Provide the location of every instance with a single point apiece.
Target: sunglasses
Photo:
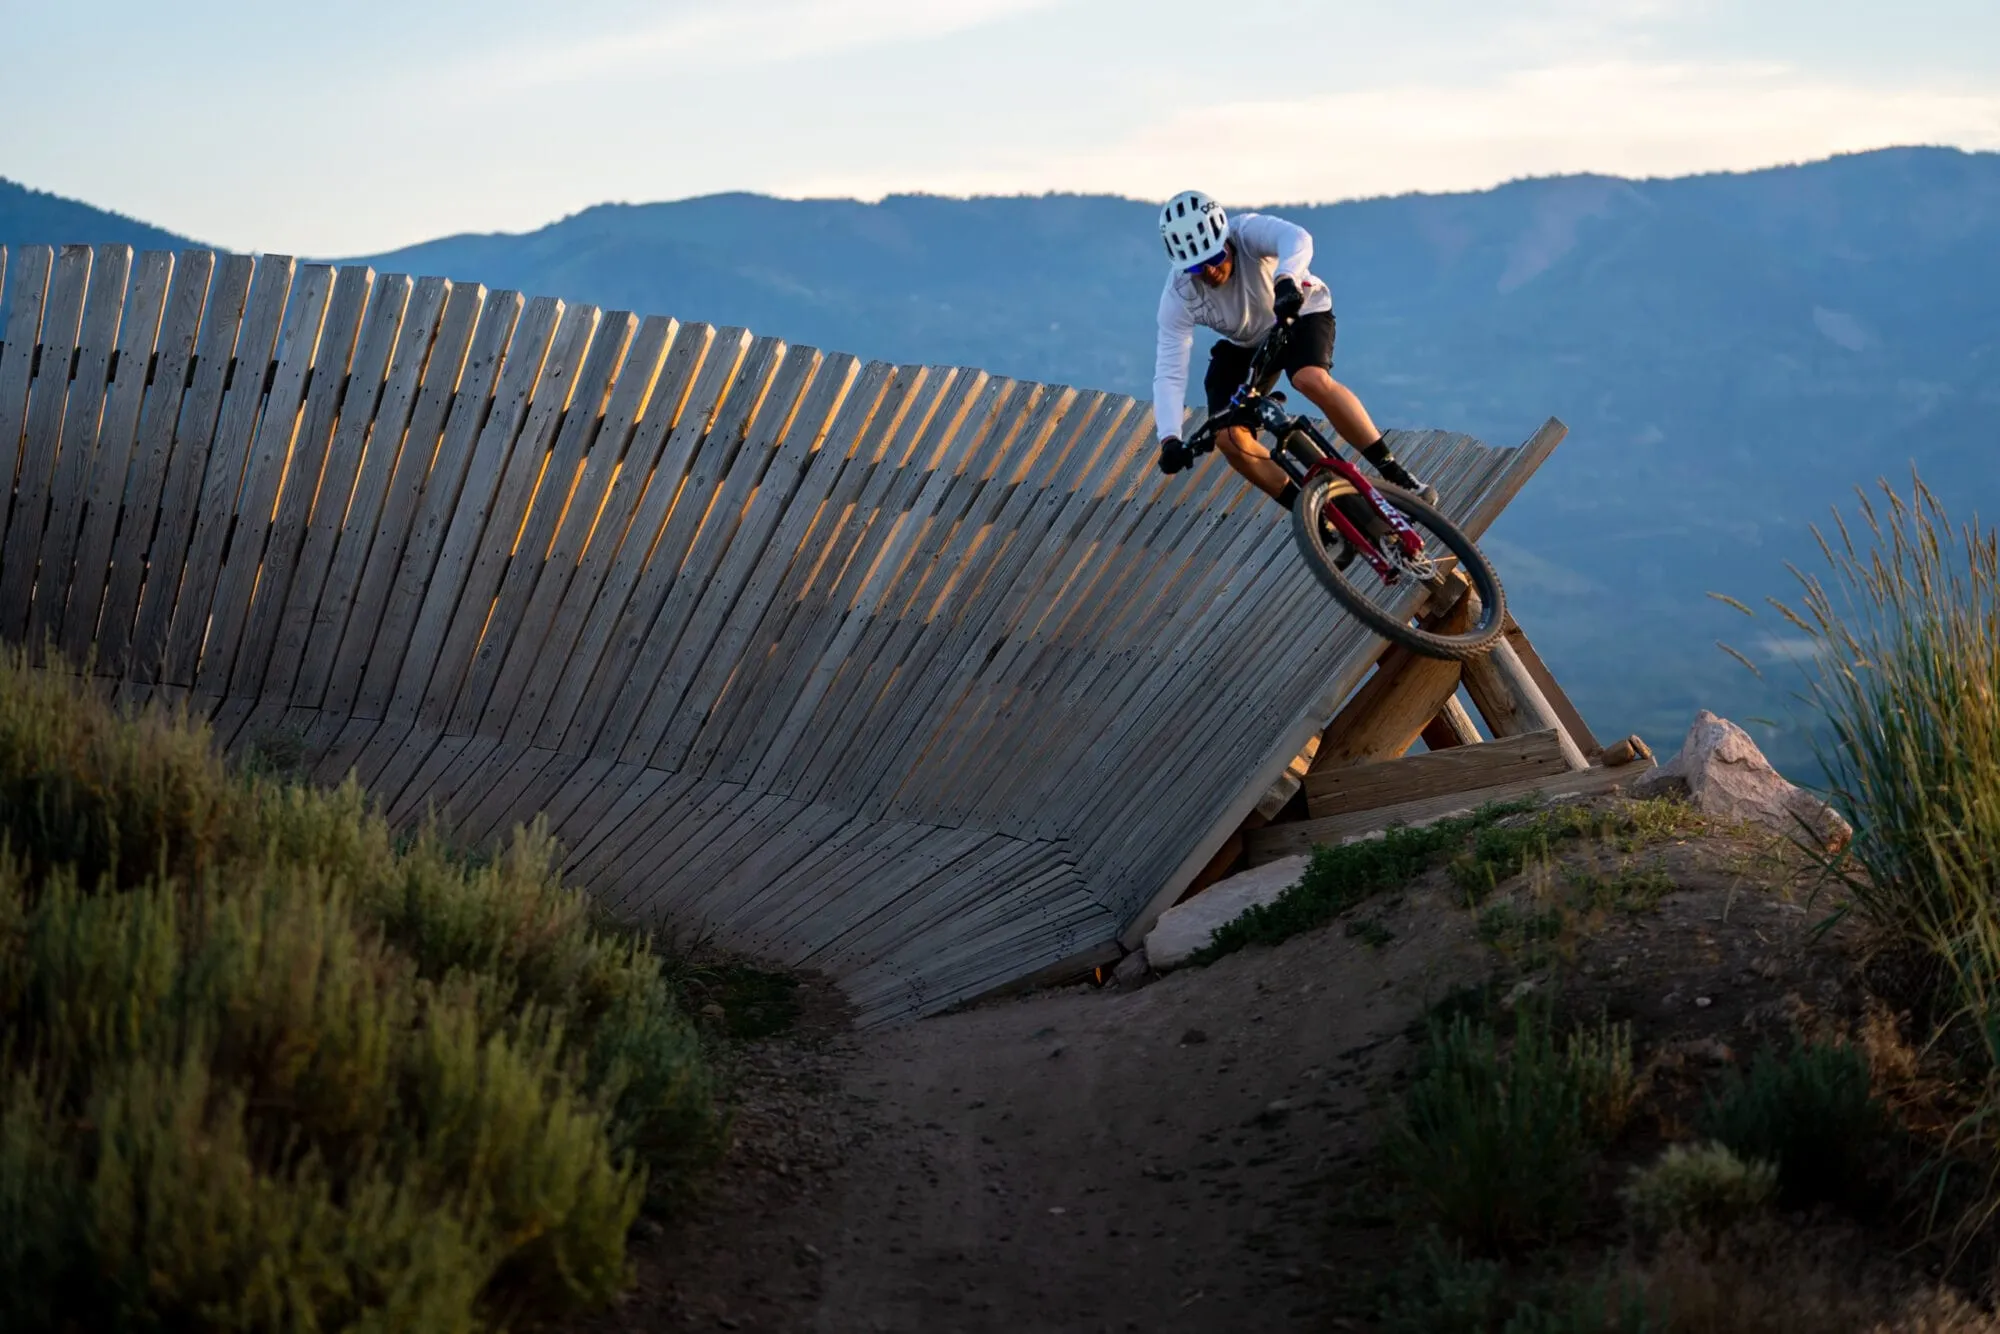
(1214, 262)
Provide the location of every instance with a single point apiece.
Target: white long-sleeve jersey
(1240, 309)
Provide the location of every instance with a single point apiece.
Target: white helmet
(1194, 228)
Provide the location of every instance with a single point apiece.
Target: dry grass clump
(1767, 1278)
(265, 1067)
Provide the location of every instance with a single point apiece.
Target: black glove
(1286, 298)
(1174, 455)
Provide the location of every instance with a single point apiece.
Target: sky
(351, 128)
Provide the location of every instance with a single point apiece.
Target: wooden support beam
(1396, 704)
(1285, 840)
(1452, 727)
(1511, 701)
(1287, 783)
(1572, 717)
(1362, 787)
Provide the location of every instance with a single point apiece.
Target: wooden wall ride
(916, 674)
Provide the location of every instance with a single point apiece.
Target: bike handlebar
(1241, 411)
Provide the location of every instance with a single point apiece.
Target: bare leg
(1251, 459)
(1343, 410)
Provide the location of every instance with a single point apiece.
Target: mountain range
(1733, 354)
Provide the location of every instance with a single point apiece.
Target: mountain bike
(1369, 543)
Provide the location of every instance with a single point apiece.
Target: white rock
(1727, 776)
(1187, 927)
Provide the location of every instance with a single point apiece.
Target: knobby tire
(1492, 622)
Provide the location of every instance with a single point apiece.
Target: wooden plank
(26, 299)
(1284, 840)
(1209, 601)
(505, 808)
(589, 504)
(396, 603)
(450, 608)
(444, 382)
(545, 473)
(960, 769)
(729, 467)
(257, 498)
(116, 459)
(514, 767)
(715, 650)
(758, 645)
(696, 815)
(1364, 786)
(83, 418)
(1518, 469)
(1037, 653)
(1545, 681)
(585, 822)
(660, 583)
(322, 569)
(647, 798)
(147, 480)
(807, 828)
(885, 848)
(302, 481)
(843, 668)
(640, 494)
(1099, 666)
(228, 456)
(62, 319)
(948, 607)
(850, 533)
(1057, 454)
(440, 792)
(494, 510)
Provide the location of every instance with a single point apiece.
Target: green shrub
(1338, 876)
(1441, 1290)
(264, 1067)
(1810, 1113)
(1701, 1190)
(1496, 1143)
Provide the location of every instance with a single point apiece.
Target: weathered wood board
(911, 672)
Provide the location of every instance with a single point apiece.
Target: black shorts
(1311, 344)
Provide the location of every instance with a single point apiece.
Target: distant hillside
(1732, 353)
(35, 217)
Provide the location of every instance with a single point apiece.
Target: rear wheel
(1380, 604)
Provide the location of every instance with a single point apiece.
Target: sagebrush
(265, 1066)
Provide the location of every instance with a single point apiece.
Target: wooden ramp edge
(917, 674)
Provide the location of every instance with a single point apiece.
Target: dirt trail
(1169, 1158)
(1158, 1159)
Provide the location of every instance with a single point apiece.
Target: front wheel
(1379, 604)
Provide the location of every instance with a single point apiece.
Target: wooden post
(1572, 718)
(1452, 727)
(1510, 701)
(1396, 704)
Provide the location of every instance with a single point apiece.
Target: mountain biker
(1241, 280)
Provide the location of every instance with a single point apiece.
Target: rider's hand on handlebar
(1174, 455)
(1286, 298)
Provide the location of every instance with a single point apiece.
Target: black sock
(1377, 453)
(1289, 497)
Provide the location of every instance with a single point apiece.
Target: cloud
(1624, 117)
(745, 33)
